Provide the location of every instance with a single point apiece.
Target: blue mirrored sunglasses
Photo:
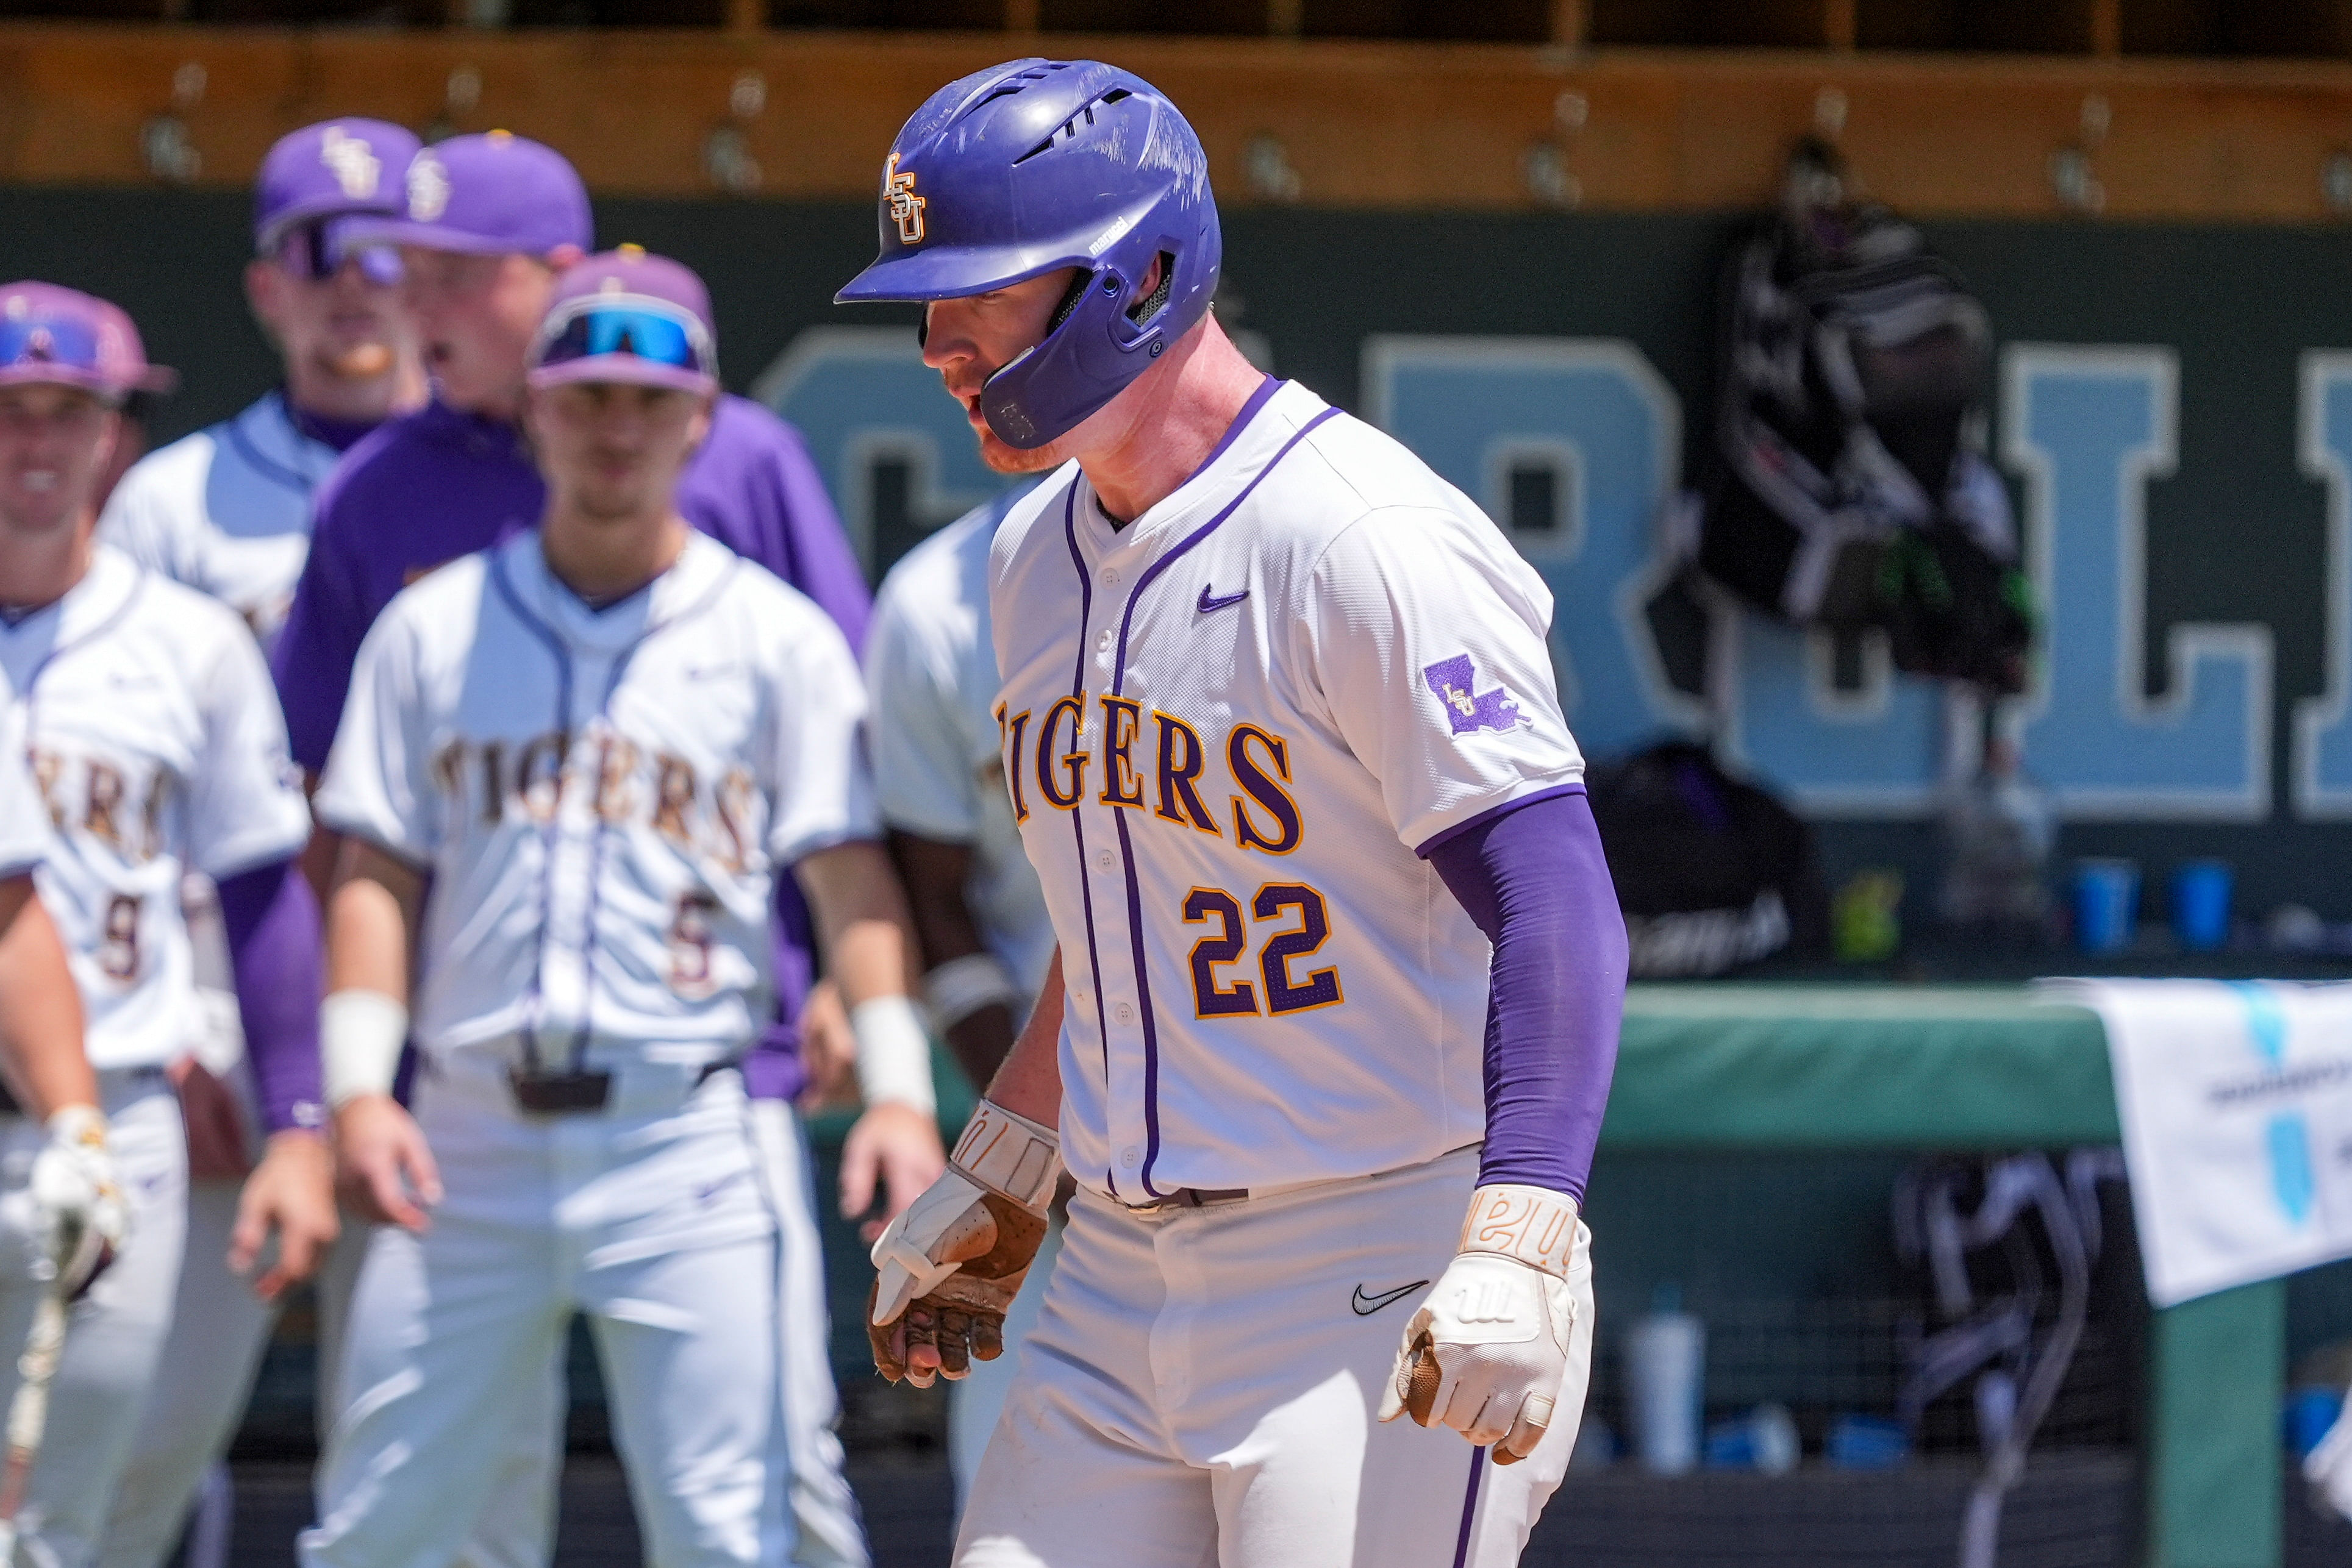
(317, 251)
(47, 340)
(628, 330)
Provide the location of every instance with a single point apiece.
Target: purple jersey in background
(421, 491)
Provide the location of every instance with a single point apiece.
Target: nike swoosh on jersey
(1367, 1305)
(1209, 602)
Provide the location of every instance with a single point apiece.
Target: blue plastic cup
(2106, 905)
(2200, 905)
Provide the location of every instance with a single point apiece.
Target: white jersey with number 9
(157, 746)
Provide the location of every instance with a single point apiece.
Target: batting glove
(78, 1200)
(954, 1261)
(1486, 1353)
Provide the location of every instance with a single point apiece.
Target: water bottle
(1997, 828)
(1665, 1366)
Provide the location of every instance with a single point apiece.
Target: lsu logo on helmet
(906, 207)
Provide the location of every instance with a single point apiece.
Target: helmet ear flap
(1075, 292)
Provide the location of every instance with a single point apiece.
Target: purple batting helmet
(1040, 164)
(625, 316)
(50, 333)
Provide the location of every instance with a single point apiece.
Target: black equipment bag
(1849, 490)
(1711, 872)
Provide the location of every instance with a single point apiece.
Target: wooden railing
(796, 114)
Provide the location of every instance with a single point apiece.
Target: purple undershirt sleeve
(1534, 879)
(273, 944)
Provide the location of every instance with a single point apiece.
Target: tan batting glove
(77, 1197)
(954, 1261)
(1488, 1349)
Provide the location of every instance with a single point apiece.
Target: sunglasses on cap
(317, 251)
(47, 340)
(641, 329)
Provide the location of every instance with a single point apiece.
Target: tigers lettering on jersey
(116, 803)
(625, 784)
(1263, 812)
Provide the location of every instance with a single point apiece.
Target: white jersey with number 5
(1228, 728)
(602, 795)
(157, 745)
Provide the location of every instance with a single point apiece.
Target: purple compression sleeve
(273, 944)
(1534, 879)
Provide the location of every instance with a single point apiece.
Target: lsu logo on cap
(1454, 681)
(351, 162)
(906, 207)
(428, 188)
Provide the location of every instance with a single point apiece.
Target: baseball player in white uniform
(1340, 968)
(599, 739)
(158, 748)
(227, 511)
(939, 770)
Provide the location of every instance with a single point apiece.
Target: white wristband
(961, 986)
(1533, 1224)
(360, 1037)
(1008, 1153)
(893, 1053)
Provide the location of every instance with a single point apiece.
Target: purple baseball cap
(625, 316)
(331, 170)
(487, 195)
(49, 333)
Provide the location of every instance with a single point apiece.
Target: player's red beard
(1001, 456)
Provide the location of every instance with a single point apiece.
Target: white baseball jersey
(1228, 727)
(601, 795)
(157, 745)
(938, 769)
(24, 820)
(225, 510)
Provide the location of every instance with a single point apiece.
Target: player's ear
(563, 256)
(699, 430)
(263, 287)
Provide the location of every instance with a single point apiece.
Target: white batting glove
(1486, 1353)
(953, 1261)
(78, 1201)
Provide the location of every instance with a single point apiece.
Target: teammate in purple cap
(571, 768)
(490, 221)
(157, 742)
(228, 511)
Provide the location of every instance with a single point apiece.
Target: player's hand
(1487, 1352)
(828, 1050)
(950, 1265)
(78, 1200)
(896, 1147)
(383, 1160)
(293, 1194)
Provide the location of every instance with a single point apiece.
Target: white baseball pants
(649, 1216)
(976, 1403)
(1201, 1390)
(115, 1334)
(219, 1331)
